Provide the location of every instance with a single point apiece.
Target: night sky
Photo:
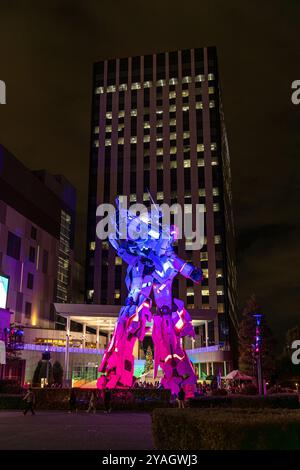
(46, 60)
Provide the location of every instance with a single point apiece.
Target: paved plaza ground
(49, 430)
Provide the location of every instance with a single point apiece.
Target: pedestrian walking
(180, 398)
(73, 401)
(92, 404)
(29, 402)
(107, 400)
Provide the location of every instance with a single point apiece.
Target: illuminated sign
(4, 282)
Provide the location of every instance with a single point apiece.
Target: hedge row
(58, 399)
(223, 429)
(270, 401)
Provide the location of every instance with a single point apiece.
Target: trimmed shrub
(216, 429)
(11, 402)
(127, 400)
(10, 386)
(290, 401)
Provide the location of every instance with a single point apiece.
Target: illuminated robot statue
(152, 265)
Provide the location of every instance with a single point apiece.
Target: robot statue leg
(117, 365)
(170, 325)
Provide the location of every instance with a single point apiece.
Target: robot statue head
(141, 232)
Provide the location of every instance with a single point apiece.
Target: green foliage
(42, 369)
(246, 339)
(127, 400)
(226, 429)
(270, 401)
(149, 360)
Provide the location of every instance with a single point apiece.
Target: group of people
(92, 406)
(145, 384)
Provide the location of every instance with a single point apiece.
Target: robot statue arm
(187, 270)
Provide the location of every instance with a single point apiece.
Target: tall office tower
(157, 124)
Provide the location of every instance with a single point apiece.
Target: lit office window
(216, 191)
(123, 87)
(213, 146)
(90, 294)
(96, 143)
(96, 130)
(214, 161)
(216, 207)
(111, 88)
(190, 292)
(212, 104)
(200, 162)
(211, 90)
(92, 246)
(199, 78)
(199, 105)
(205, 291)
(200, 148)
(211, 76)
(219, 273)
(147, 84)
(173, 81)
(204, 256)
(105, 245)
(205, 273)
(187, 163)
(221, 308)
(220, 291)
(201, 192)
(135, 86)
(217, 239)
(118, 261)
(186, 79)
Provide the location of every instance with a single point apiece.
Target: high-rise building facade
(157, 125)
(37, 219)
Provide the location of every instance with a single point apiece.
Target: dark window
(148, 72)
(199, 62)
(13, 245)
(30, 281)
(136, 69)
(45, 261)
(173, 64)
(33, 233)
(111, 72)
(160, 66)
(186, 62)
(32, 254)
(146, 98)
(123, 71)
(27, 309)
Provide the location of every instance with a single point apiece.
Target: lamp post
(257, 352)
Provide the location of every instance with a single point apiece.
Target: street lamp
(257, 346)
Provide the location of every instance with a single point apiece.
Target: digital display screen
(4, 281)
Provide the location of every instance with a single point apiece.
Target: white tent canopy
(237, 375)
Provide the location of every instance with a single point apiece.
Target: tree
(36, 375)
(149, 360)
(57, 373)
(247, 337)
(43, 370)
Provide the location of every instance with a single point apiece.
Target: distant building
(37, 219)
